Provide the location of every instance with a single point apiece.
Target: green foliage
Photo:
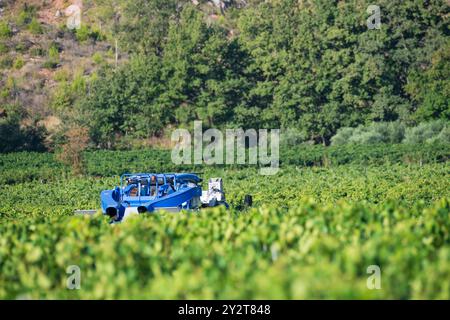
(26, 15)
(360, 154)
(310, 251)
(394, 132)
(293, 137)
(442, 137)
(24, 18)
(5, 30)
(6, 62)
(342, 136)
(98, 58)
(377, 132)
(105, 163)
(49, 64)
(378, 195)
(61, 75)
(204, 80)
(313, 66)
(19, 63)
(3, 48)
(85, 33)
(82, 33)
(145, 35)
(30, 167)
(127, 102)
(431, 89)
(67, 92)
(309, 227)
(53, 52)
(21, 47)
(35, 27)
(14, 137)
(37, 51)
(431, 132)
(53, 57)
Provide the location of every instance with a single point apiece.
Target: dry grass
(35, 83)
(51, 123)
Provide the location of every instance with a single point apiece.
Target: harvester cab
(149, 192)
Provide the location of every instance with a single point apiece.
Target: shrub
(77, 139)
(21, 47)
(82, 34)
(26, 16)
(5, 30)
(380, 132)
(35, 26)
(394, 132)
(14, 137)
(66, 93)
(424, 132)
(97, 58)
(292, 137)
(19, 63)
(53, 53)
(37, 51)
(49, 64)
(377, 132)
(367, 137)
(96, 35)
(6, 62)
(443, 136)
(53, 58)
(4, 93)
(61, 75)
(3, 48)
(342, 136)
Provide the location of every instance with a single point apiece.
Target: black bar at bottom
(226, 309)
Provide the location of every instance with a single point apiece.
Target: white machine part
(215, 195)
(129, 212)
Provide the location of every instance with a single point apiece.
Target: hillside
(44, 66)
(40, 54)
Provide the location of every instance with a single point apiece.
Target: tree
(204, 70)
(143, 25)
(431, 89)
(124, 102)
(310, 65)
(318, 67)
(15, 136)
(71, 153)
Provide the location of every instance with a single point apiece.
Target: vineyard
(313, 230)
